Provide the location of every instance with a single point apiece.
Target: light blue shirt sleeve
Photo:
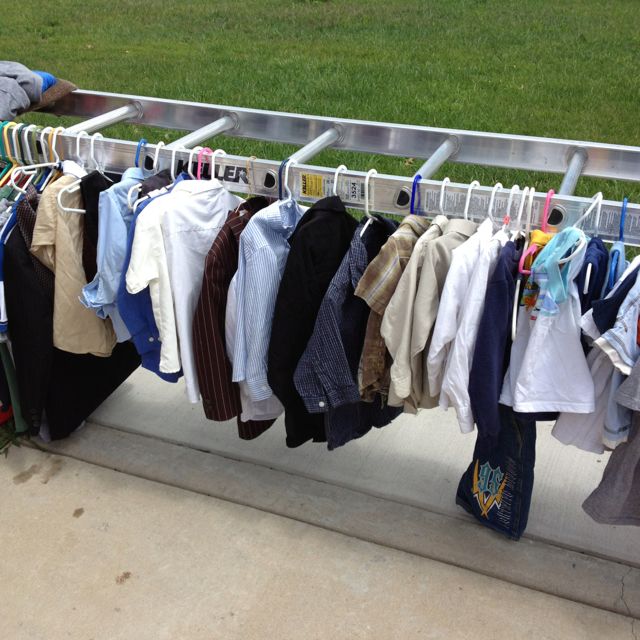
(100, 294)
(257, 288)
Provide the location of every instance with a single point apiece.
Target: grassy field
(561, 69)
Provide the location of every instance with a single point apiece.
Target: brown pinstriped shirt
(221, 396)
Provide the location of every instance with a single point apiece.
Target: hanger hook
(142, 143)
(341, 169)
(44, 145)
(201, 153)
(507, 216)
(286, 177)
(214, 155)
(92, 152)
(14, 140)
(174, 150)
(623, 217)
(78, 138)
(25, 139)
(523, 199)
(445, 182)
(596, 203)
(191, 154)
(370, 174)
(56, 131)
(471, 187)
(492, 199)
(156, 156)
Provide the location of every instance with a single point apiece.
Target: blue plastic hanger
(415, 194)
(142, 143)
(615, 253)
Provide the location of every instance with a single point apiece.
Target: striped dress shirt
(264, 247)
(220, 396)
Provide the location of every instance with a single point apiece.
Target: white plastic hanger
(445, 182)
(341, 169)
(193, 151)
(507, 216)
(74, 186)
(472, 186)
(367, 213)
(516, 297)
(518, 228)
(31, 170)
(597, 202)
(156, 156)
(492, 199)
(217, 152)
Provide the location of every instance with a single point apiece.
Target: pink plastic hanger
(545, 228)
(200, 156)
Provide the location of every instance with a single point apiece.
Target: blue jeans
(496, 487)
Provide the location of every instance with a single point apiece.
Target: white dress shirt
(455, 385)
(198, 210)
(451, 306)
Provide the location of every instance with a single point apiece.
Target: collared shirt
(327, 374)
(264, 248)
(267, 409)
(455, 385)
(220, 396)
(409, 318)
(136, 309)
(376, 287)
(57, 243)
(114, 220)
(195, 214)
(455, 288)
(318, 246)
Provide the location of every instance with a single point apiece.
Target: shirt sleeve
(44, 232)
(257, 288)
(323, 377)
(396, 328)
(446, 325)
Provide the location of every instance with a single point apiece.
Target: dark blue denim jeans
(496, 487)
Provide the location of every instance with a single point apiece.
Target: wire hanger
(341, 169)
(285, 179)
(367, 213)
(472, 186)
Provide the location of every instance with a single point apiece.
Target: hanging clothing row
(266, 307)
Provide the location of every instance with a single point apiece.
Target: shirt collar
(417, 224)
(460, 225)
(133, 173)
(357, 257)
(70, 167)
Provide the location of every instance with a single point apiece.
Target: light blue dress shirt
(264, 247)
(114, 220)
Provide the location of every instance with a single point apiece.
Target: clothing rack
(388, 193)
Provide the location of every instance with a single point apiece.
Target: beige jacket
(57, 243)
(409, 318)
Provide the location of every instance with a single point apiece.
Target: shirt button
(321, 404)
(151, 338)
(264, 388)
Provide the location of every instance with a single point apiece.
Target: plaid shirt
(326, 375)
(376, 287)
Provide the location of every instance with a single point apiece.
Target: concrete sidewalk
(91, 553)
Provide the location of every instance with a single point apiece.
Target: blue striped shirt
(264, 248)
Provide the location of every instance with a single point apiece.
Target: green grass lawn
(561, 69)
